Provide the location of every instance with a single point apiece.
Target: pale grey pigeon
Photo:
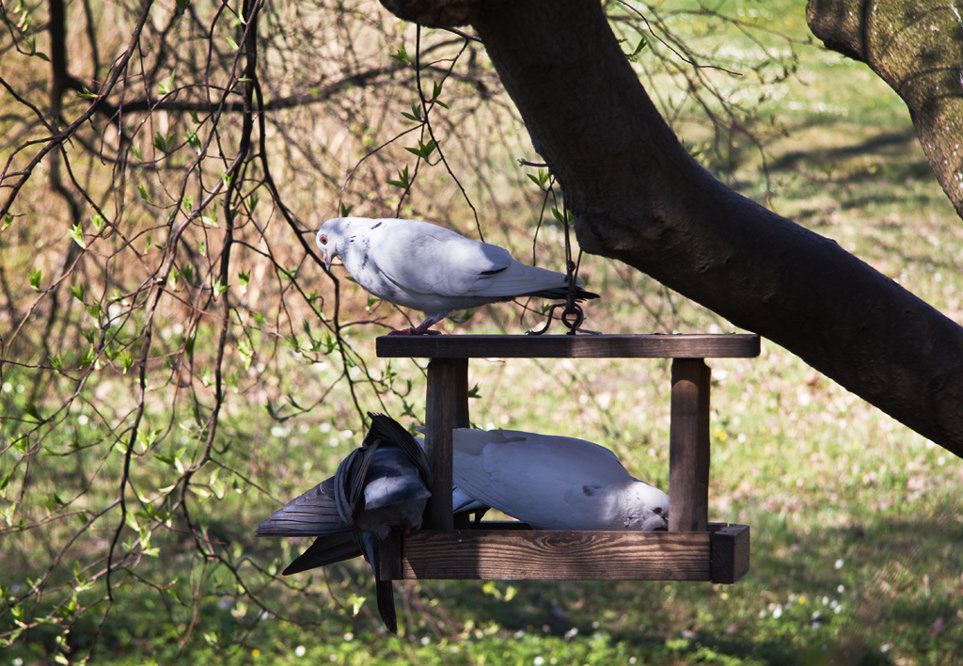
(553, 482)
(432, 269)
(379, 488)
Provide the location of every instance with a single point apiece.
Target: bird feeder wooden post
(692, 549)
(446, 407)
(689, 446)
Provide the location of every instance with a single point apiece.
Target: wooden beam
(510, 551)
(569, 346)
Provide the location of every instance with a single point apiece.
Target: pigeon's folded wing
(424, 258)
(547, 481)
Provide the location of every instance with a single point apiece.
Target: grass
(856, 527)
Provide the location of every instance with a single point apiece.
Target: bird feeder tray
(691, 550)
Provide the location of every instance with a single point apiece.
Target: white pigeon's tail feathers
(518, 279)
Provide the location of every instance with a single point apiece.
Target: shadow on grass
(881, 592)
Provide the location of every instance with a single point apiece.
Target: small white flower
(300, 651)
(838, 564)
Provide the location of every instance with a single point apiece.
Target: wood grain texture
(510, 551)
(689, 446)
(570, 346)
(446, 407)
(556, 555)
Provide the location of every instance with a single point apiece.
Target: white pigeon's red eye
(322, 239)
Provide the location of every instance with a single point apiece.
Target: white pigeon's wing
(544, 480)
(461, 502)
(423, 258)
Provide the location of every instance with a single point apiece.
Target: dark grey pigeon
(380, 488)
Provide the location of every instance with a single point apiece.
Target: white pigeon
(432, 269)
(553, 482)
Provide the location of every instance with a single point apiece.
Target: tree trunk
(917, 48)
(638, 197)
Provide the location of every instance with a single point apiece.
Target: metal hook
(572, 317)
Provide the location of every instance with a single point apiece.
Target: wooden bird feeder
(692, 549)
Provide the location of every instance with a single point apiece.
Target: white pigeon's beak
(656, 522)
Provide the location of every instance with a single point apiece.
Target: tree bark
(917, 48)
(638, 197)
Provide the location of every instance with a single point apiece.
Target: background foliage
(175, 362)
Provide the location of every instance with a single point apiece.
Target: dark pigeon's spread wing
(311, 514)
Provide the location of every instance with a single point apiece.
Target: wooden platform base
(510, 551)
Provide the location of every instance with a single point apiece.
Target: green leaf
(98, 221)
(167, 85)
(401, 55)
(424, 149)
(86, 94)
(163, 143)
(88, 357)
(77, 234)
(31, 410)
(193, 140)
(403, 181)
(415, 114)
(232, 43)
(34, 277)
(142, 191)
(126, 360)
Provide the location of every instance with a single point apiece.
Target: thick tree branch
(917, 48)
(640, 198)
